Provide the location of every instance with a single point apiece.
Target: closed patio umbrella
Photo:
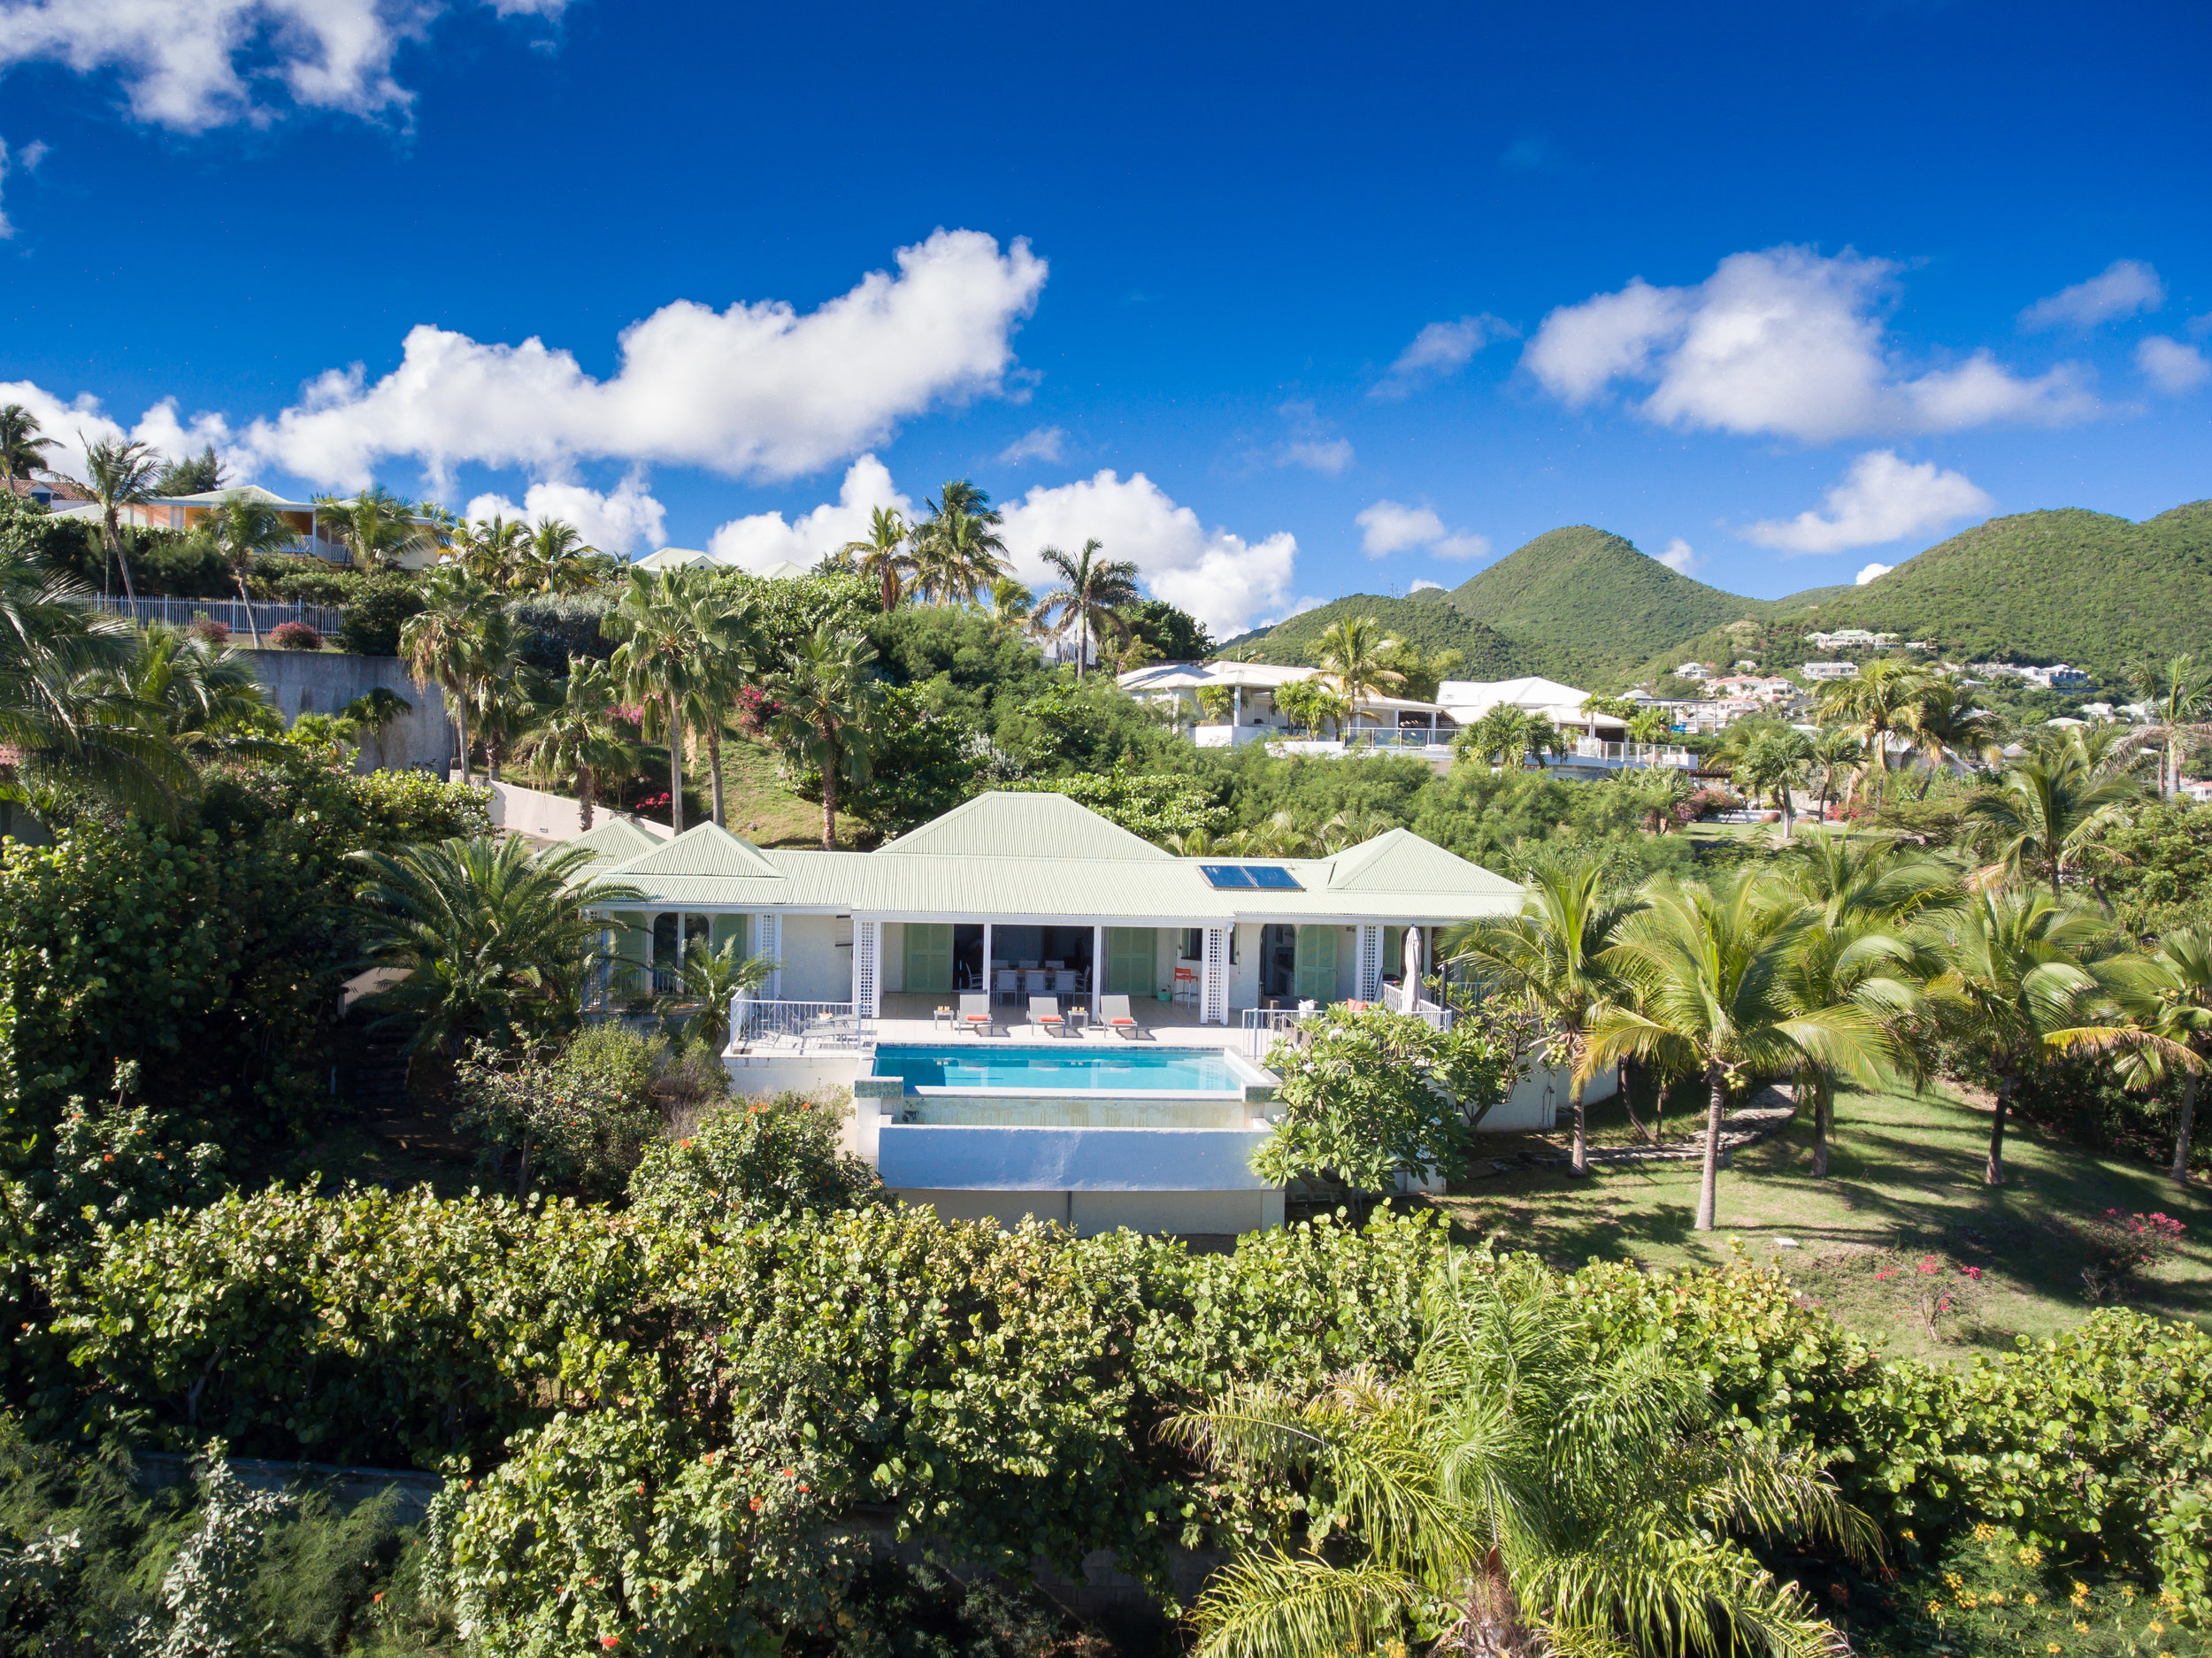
(1412, 966)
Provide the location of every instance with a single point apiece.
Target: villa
(1250, 713)
(1041, 919)
(187, 513)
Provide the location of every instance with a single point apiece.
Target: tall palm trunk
(675, 767)
(1993, 1174)
(714, 770)
(587, 786)
(1581, 1156)
(246, 598)
(829, 797)
(1082, 643)
(115, 542)
(1823, 1123)
(2186, 1122)
(1709, 1182)
(461, 718)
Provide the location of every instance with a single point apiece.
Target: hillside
(1426, 623)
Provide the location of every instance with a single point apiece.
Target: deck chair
(1113, 1013)
(1044, 1012)
(976, 1014)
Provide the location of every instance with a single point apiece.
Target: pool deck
(908, 1018)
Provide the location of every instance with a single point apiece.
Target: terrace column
(990, 984)
(867, 968)
(1213, 984)
(1369, 961)
(1098, 968)
(768, 941)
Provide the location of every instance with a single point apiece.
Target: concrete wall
(542, 816)
(1538, 1100)
(324, 681)
(817, 958)
(1090, 1213)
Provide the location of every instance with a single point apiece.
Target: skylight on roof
(1272, 876)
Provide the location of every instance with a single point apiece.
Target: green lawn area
(1905, 1183)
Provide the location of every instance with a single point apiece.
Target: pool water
(1054, 1070)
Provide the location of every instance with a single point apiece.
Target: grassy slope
(1905, 1174)
(1427, 624)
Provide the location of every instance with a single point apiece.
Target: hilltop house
(1251, 715)
(1819, 673)
(1017, 895)
(187, 513)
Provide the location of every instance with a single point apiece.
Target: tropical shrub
(375, 609)
(745, 1162)
(568, 1128)
(295, 636)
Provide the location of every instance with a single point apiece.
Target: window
(1194, 944)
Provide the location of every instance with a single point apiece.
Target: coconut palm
(506, 696)
(826, 698)
(22, 451)
(2178, 693)
(1538, 1483)
(1650, 725)
(1353, 652)
(1773, 763)
(1554, 958)
(492, 939)
(1500, 738)
(1867, 894)
(730, 648)
(117, 474)
(1355, 826)
(445, 643)
(198, 692)
(239, 528)
(578, 735)
(2017, 974)
(1013, 606)
(1092, 594)
(377, 529)
(664, 657)
(1837, 753)
(884, 554)
(1877, 702)
(370, 714)
(553, 558)
(1943, 725)
(492, 550)
(955, 555)
(713, 978)
(2164, 1025)
(2050, 808)
(62, 711)
(1707, 967)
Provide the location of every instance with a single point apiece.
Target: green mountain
(1425, 624)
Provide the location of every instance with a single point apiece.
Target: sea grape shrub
(2125, 1246)
(753, 1159)
(578, 1122)
(295, 636)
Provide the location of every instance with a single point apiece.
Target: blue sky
(1280, 305)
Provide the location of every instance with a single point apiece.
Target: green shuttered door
(1317, 964)
(928, 956)
(1130, 966)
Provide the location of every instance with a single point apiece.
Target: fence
(1630, 753)
(803, 1025)
(324, 618)
(1264, 1027)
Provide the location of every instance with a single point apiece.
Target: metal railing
(803, 1025)
(1405, 999)
(1630, 753)
(1264, 1027)
(1403, 737)
(324, 618)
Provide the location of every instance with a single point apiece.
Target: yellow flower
(2156, 1628)
(1994, 1598)
(2029, 1556)
(1983, 1533)
(1952, 1579)
(2027, 1599)
(2081, 1629)
(1935, 1609)
(1908, 1536)
(2052, 1647)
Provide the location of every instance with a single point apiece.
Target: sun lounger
(1044, 1012)
(1113, 1013)
(976, 1016)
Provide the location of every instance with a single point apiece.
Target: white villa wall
(815, 969)
(1090, 1213)
(1244, 977)
(1539, 1100)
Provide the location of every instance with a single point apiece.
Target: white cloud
(618, 522)
(1867, 572)
(2170, 365)
(1881, 499)
(757, 390)
(2125, 286)
(1782, 342)
(1226, 582)
(1044, 443)
(1421, 584)
(1441, 350)
(1681, 556)
(192, 64)
(1390, 526)
(74, 422)
(765, 539)
(1329, 456)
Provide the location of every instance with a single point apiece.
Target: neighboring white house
(1252, 716)
(1014, 895)
(187, 513)
(692, 558)
(1467, 701)
(1821, 671)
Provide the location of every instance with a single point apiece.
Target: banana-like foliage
(1531, 1487)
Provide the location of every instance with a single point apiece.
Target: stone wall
(324, 681)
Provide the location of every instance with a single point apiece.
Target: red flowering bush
(295, 636)
(2124, 1246)
(213, 632)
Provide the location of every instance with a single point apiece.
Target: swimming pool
(1041, 1069)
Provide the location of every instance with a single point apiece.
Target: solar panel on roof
(1272, 876)
(1220, 875)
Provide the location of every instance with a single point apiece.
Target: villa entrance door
(1317, 964)
(1278, 961)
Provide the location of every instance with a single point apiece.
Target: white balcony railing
(799, 1026)
(1627, 753)
(324, 618)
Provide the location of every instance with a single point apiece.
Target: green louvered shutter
(1130, 961)
(1317, 964)
(928, 956)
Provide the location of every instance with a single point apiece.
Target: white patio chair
(1113, 1013)
(976, 1016)
(1044, 1013)
(1005, 982)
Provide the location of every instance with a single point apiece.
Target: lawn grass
(756, 803)
(1905, 1184)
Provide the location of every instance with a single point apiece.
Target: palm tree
(825, 699)
(1353, 652)
(1092, 594)
(2178, 693)
(1873, 705)
(117, 475)
(2017, 974)
(377, 528)
(884, 554)
(506, 693)
(1943, 723)
(1013, 606)
(957, 549)
(1554, 958)
(2050, 808)
(713, 978)
(198, 692)
(1867, 894)
(492, 550)
(62, 709)
(729, 649)
(580, 734)
(1773, 763)
(1281, 835)
(1538, 1484)
(445, 643)
(240, 529)
(554, 559)
(1707, 967)
(1355, 826)
(662, 658)
(22, 451)
(1500, 738)
(2164, 1004)
(493, 940)
(1837, 752)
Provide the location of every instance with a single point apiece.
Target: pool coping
(1255, 1086)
